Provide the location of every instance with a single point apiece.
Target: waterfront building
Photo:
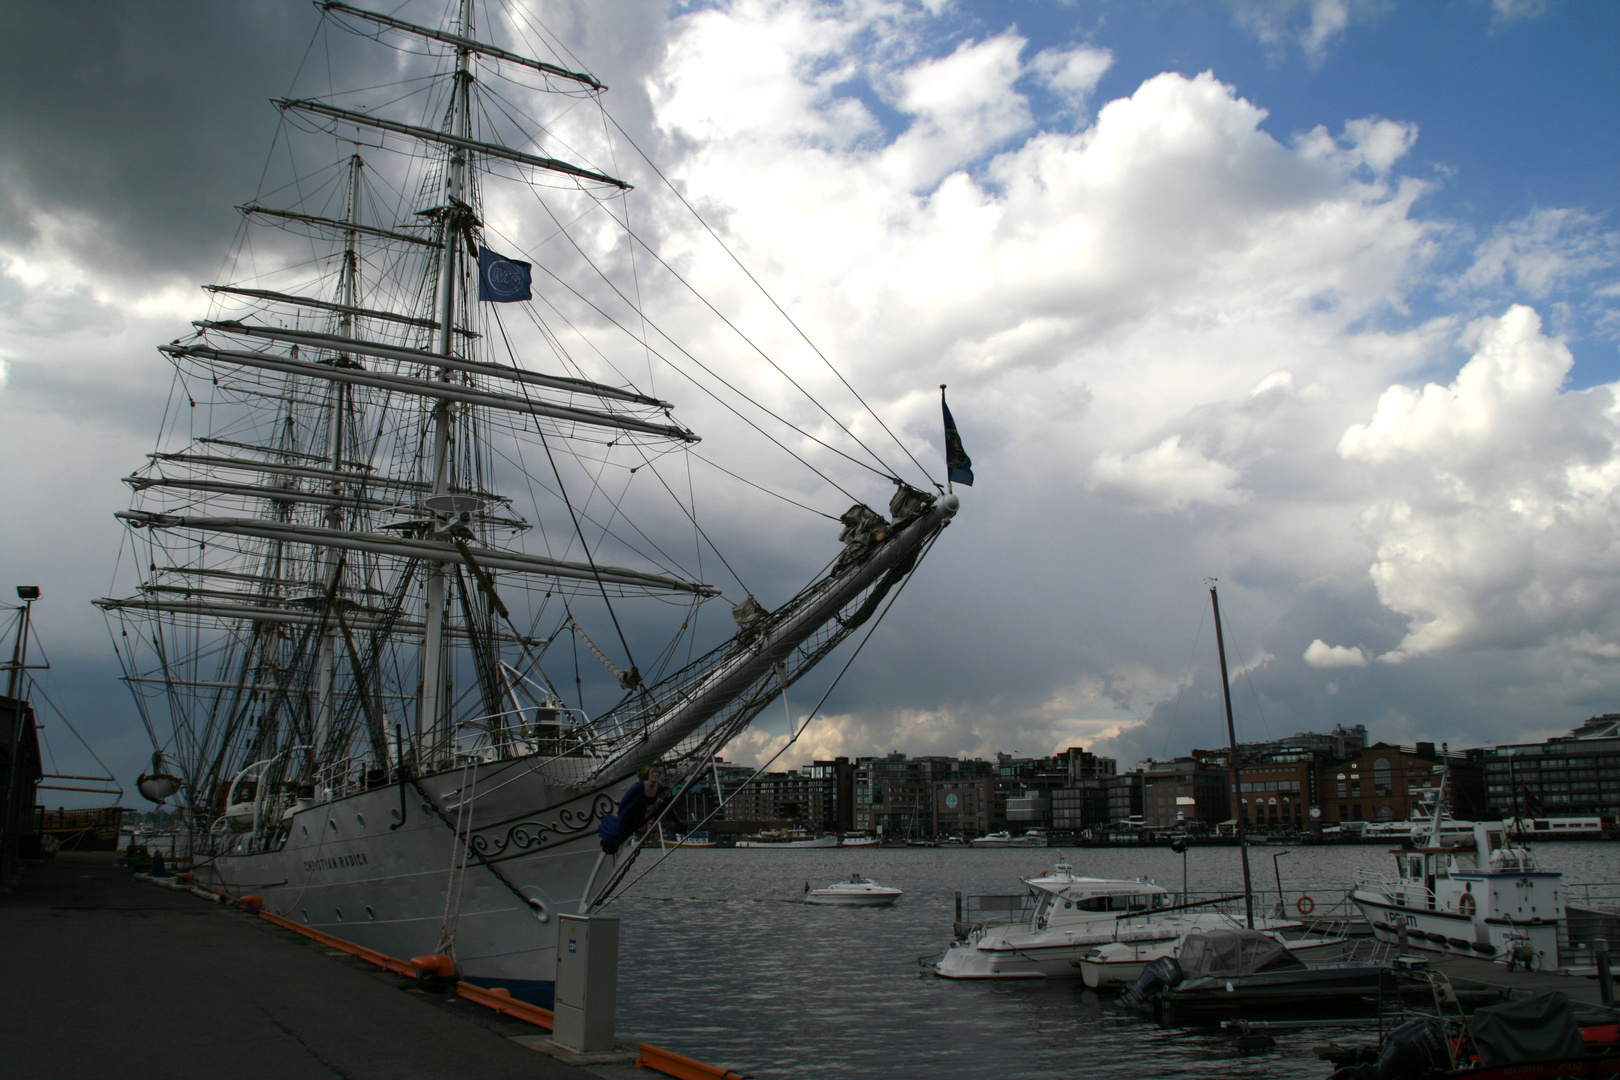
(896, 795)
(1570, 775)
(968, 808)
(1184, 791)
(1124, 792)
(1387, 783)
(1081, 805)
(817, 797)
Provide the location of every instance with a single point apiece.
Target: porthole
(394, 813)
(369, 913)
(306, 831)
(305, 914)
(1068, 904)
(339, 913)
(361, 818)
(427, 807)
(331, 823)
(538, 907)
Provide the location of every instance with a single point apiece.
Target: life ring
(1465, 904)
(1305, 905)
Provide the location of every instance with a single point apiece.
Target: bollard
(587, 982)
(1600, 948)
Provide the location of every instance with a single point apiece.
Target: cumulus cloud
(1503, 500)
(1319, 654)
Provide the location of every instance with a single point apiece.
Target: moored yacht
(1073, 916)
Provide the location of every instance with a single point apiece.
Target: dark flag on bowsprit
(958, 466)
(502, 280)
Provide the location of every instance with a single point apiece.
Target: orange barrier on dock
(370, 956)
(502, 1001)
(499, 999)
(682, 1068)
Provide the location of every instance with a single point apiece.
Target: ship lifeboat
(158, 785)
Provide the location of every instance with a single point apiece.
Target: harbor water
(721, 959)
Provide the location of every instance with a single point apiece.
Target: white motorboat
(1120, 963)
(858, 839)
(855, 891)
(1073, 916)
(1468, 889)
(1004, 839)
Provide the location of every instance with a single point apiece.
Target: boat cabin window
(1092, 903)
(1493, 839)
(1415, 867)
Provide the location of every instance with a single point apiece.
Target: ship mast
(429, 718)
(331, 563)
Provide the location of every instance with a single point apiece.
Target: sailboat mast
(429, 719)
(1237, 772)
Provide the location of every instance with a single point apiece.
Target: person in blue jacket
(641, 802)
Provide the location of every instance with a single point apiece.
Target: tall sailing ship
(380, 554)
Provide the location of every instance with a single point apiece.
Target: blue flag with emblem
(958, 466)
(502, 280)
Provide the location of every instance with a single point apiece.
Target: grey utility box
(587, 982)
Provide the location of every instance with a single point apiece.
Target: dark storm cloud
(148, 119)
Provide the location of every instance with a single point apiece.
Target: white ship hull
(344, 871)
(1490, 931)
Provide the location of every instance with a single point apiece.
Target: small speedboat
(854, 891)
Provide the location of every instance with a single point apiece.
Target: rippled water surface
(720, 960)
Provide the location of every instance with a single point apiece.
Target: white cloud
(1160, 306)
(1506, 11)
(1073, 73)
(1312, 25)
(1169, 476)
(1502, 500)
(1319, 654)
(1544, 250)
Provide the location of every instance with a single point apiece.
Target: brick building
(1386, 783)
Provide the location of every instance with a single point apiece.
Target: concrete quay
(112, 978)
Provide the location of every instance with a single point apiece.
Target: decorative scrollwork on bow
(526, 836)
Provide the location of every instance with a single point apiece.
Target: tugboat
(1466, 889)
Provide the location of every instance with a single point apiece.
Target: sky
(1318, 298)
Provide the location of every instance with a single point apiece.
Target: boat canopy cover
(1216, 954)
(1539, 1028)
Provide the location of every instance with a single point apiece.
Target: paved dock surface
(1464, 971)
(106, 977)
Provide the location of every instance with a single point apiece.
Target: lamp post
(1179, 846)
(1281, 909)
